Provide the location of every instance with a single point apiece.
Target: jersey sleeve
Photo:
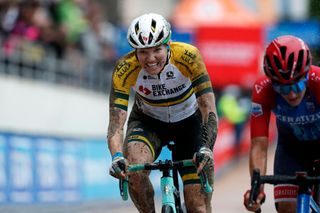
(314, 82)
(263, 98)
(191, 64)
(123, 78)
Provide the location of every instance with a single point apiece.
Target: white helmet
(148, 30)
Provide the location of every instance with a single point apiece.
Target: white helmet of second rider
(149, 30)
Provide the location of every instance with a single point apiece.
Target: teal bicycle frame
(169, 192)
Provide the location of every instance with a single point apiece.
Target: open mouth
(152, 65)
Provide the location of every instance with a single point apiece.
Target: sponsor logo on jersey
(144, 90)
(314, 77)
(190, 54)
(259, 87)
(122, 68)
(145, 77)
(160, 89)
(188, 57)
(170, 75)
(301, 119)
(256, 109)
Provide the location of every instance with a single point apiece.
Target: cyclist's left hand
(202, 158)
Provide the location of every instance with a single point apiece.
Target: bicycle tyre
(166, 209)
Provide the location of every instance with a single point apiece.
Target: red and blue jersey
(302, 121)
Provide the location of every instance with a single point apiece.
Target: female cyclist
(174, 101)
(291, 90)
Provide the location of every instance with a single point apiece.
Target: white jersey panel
(167, 97)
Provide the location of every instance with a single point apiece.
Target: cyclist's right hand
(118, 167)
(202, 158)
(256, 205)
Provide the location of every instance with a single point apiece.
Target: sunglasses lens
(286, 89)
(300, 86)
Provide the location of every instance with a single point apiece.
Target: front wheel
(167, 209)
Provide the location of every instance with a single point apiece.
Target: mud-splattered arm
(208, 111)
(117, 119)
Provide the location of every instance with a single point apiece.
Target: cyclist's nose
(292, 94)
(151, 57)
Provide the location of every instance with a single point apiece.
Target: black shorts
(292, 156)
(185, 134)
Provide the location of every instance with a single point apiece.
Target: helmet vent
(136, 28)
(287, 75)
(160, 36)
(141, 40)
(278, 63)
(283, 51)
(299, 63)
(268, 68)
(150, 38)
(290, 62)
(153, 25)
(133, 41)
(306, 68)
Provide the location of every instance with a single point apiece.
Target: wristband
(116, 155)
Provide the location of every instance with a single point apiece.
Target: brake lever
(123, 187)
(205, 183)
(255, 185)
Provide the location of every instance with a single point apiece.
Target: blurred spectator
(51, 35)
(98, 43)
(99, 39)
(27, 21)
(234, 107)
(24, 28)
(9, 11)
(71, 19)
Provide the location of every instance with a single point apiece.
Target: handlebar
(162, 166)
(300, 179)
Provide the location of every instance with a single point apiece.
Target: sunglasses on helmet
(286, 89)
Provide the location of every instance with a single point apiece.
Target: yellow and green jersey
(169, 96)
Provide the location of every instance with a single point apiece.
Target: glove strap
(117, 155)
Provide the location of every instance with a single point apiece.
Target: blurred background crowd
(72, 39)
(77, 42)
